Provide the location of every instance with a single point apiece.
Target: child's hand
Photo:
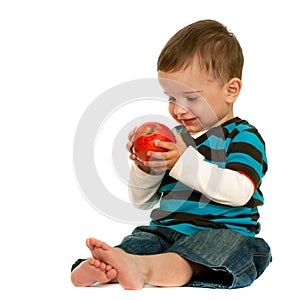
(132, 156)
(130, 144)
(162, 161)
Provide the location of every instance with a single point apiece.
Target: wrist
(148, 170)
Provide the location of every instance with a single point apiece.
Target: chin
(193, 129)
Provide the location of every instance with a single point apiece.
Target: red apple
(146, 135)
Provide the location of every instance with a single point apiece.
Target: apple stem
(150, 130)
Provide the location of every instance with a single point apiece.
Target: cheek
(202, 110)
(171, 111)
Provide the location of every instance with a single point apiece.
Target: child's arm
(143, 182)
(142, 188)
(226, 186)
(223, 186)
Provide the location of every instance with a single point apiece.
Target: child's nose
(179, 109)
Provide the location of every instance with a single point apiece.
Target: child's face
(196, 101)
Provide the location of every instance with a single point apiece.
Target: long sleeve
(223, 186)
(143, 188)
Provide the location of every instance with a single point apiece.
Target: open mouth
(189, 121)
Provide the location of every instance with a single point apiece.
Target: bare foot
(90, 242)
(131, 271)
(91, 271)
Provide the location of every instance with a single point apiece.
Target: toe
(97, 263)
(90, 243)
(102, 266)
(112, 274)
(108, 268)
(92, 261)
(104, 246)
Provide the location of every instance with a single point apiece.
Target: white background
(56, 57)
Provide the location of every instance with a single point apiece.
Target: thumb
(188, 140)
(181, 145)
(179, 140)
(177, 136)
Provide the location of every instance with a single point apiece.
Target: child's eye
(192, 98)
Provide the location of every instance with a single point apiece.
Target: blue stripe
(201, 209)
(240, 127)
(214, 142)
(258, 197)
(184, 228)
(175, 186)
(190, 229)
(251, 139)
(246, 159)
(236, 220)
(179, 130)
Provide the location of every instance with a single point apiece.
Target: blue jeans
(235, 260)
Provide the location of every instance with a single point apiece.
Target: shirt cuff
(147, 180)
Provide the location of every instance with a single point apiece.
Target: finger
(131, 133)
(157, 155)
(132, 156)
(165, 145)
(180, 143)
(129, 147)
(156, 165)
(157, 171)
(188, 141)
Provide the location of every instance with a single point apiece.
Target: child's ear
(232, 88)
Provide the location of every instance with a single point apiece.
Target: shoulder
(241, 131)
(246, 150)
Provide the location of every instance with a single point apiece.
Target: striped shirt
(234, 145)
